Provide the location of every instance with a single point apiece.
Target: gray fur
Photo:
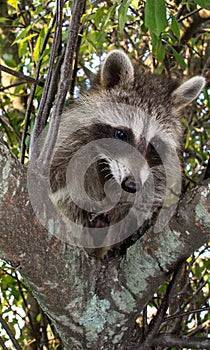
(146, 104)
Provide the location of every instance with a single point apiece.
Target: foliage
(184, 316)
(166, 37)
(25, 320)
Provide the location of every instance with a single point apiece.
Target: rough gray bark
(93, 304)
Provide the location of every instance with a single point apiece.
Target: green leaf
(159, 70)
(108, 15)
(97, 16)
(28, 37)
(3, 19)
(158, 49)
(203, 3)
(38, 46)
(9, 60)
(91, 44)
(187, 142)
(122, 14)
(13, 3)
(175, 27)
(101, 37)
(39, 317)
(179, 58)
(155, 16)
(22, 49)
(22, 35)
(135, 4)
(27, 140)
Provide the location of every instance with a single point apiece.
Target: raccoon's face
(142, 112)
(150, 159)
(141, 153)
(135, 121)
(133, 158)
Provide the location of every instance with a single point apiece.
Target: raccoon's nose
(130, 185)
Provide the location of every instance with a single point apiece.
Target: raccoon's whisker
(107, 175)
(105, 169)
(103, 162)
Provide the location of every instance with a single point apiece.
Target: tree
(95, 303)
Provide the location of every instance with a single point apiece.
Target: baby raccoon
(115, 162)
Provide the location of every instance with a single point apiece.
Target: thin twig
(33, 90)
(206, 66)
(2, 344)
(9, 126)
(52, 90)
(189, 14)
(74, 74)
(155, 324)
(145, 323)
(39, 122)
(65, 80)
(194, 26)
(169, 340)
(26, 304)
(2, 89)
(18, 75)
(135, 12)
(187, 313)
(180, 11)
(201, 328)
(10, 333)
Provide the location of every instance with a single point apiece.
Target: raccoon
(116, 157)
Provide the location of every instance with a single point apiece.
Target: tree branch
(169, 340)
(89, 296)
(20, 75)
(2, 344)
(194, 26)
(33, 90)
(187, 313)
(9, 332)
(41, 120)
(65, 82)
(158, 319)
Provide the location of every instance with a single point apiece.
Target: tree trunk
(93, 303)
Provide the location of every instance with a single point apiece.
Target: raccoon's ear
(188, 91)
(117, 69)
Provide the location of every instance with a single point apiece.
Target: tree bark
(93, 303)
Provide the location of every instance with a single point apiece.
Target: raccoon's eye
(121, 135)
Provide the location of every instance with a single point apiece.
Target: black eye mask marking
(156, 151)
(100, 130)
